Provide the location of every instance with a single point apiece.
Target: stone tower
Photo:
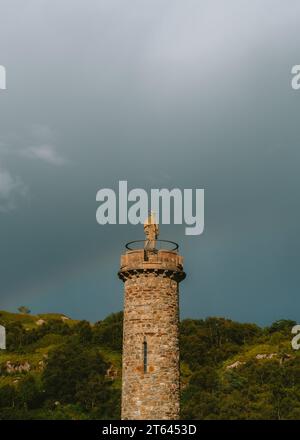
(150, 371)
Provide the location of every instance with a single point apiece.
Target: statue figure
(151, 230)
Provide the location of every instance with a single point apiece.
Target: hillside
(58, 368)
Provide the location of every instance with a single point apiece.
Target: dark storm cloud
(162, 94)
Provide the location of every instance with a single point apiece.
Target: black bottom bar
(90, 430)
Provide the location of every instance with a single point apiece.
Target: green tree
(69, 366)
(7, 396)
(24, 309)
(109, 332)
(29, 394)
(84, 331)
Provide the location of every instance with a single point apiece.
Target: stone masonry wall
(151, 314)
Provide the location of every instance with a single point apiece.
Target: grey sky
(162, 94)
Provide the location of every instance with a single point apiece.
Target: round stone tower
(150, 372)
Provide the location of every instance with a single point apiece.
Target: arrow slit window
(145, 352)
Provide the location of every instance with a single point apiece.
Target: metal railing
(159, 245)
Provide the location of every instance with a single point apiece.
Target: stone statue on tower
(151, 230)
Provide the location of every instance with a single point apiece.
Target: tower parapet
(161, 262)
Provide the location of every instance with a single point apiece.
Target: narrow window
(145, 356)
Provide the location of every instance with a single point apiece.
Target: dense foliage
(57, 368)
(239, 371)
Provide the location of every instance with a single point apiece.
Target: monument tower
(151, 271)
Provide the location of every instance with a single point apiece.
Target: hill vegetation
(58, 368)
